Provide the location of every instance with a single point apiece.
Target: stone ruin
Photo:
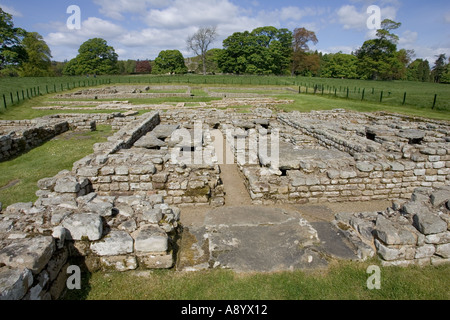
(119, 208)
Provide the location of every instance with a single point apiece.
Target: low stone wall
(21, 136)
(416, 232)
(350, 160)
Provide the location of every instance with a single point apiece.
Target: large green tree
(265, 50)
(170, 61)
(95, 56)
(38, 63)
(418, 70)
(339, 65)
(12, 52)
(439, 68)
(379, 58)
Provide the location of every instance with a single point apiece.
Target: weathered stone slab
(114, 244)
(151, 239)
(82, 226)
(156, 261)
(119, 263)
(31, 253)
(429, 223)
(67, 185)
(164, 131)
(14, 283)
(393, 234)
(149, 141)
(440, 197)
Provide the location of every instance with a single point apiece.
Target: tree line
(262, 51)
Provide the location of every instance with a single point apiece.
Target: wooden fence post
(4, 101)
(434, 102)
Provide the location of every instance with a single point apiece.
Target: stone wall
(340, 156)
(416, 232)
(21, 136)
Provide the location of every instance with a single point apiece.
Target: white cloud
(116, 8)
(352, 18)
(11, 10)
(408, 39)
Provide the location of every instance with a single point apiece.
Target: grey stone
(414, 136)
(425, 251)
(149, 141)
(103, 209)
(46, 184)
(364, 166)
(151, 239)
(443, 250)
(14, 283)
(119, 263)
(31, 253)
(67, 185)
(393, 253)
(156, 261)
(56, 263)
(81, 226)
(439, 238)
(393, 234)
(164, 131)
(429, 223)
(440, 197)
(153, 215)
(115, 243)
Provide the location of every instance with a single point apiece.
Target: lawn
(19, 176)
(342, 281)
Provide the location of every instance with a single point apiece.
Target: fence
(17, 96)
(408, 98)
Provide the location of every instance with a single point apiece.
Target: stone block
(443, 250)
(67, 185)
(31, 253)
(156, 261)
(390, 253)
(113, 244)
(153, 215)
(151, 239)
(119, 263)
(393, 234)
(429, 223)
(84, 226)
(425, 251)
(14, 283)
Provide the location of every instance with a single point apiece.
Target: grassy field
(342, 281)
(418, 95)
(19, 176)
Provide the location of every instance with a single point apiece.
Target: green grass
(419, 99)
(343, 281)
(45, 161)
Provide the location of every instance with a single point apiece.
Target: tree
(143, 67)
(38, 63)
(94, 57)
(446, 75)
(265, 50)
(439, 68)
(12, 52)
(418, 70)
(378, 58)
(300, 47)
(170, 61)
(200, 42)
(339, 65)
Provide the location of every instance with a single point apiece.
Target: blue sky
(140, 29)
